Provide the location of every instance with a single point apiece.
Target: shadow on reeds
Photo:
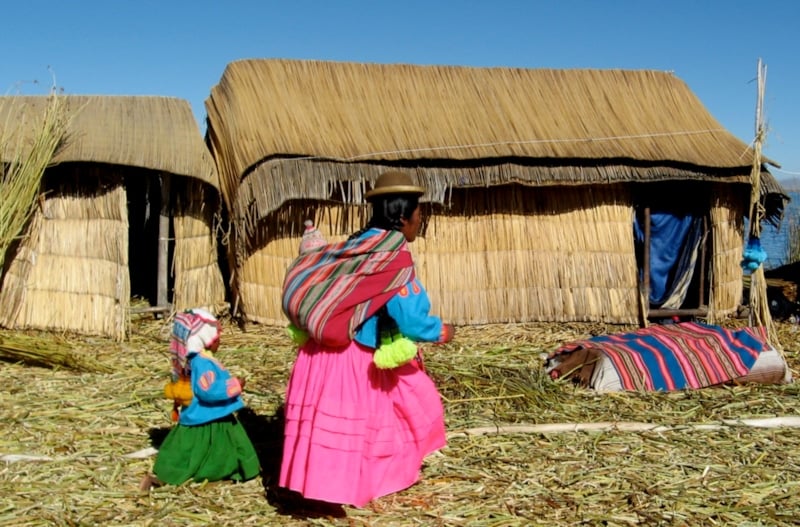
(158, 435)
(266, 433)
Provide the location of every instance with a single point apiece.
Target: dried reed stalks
(373, 113)
(46, 350)
(727, 227)
(68, 439)
(23, 165)
(81, 230)
(79, 238)
(198, 279)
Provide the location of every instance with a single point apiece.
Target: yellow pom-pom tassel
(179, 391)
(394, 354)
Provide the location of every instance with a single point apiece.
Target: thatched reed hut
(131, 194)
(536, 181)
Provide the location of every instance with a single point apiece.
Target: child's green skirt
(210, 452)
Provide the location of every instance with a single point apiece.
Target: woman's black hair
(388, 211)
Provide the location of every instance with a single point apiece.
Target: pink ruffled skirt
(355, 432)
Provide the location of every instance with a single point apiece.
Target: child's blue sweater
(216, 393)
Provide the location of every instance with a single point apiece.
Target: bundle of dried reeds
(23, 165)
(46, 350)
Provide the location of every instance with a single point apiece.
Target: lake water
(774, 242)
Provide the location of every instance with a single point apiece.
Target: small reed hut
(126, 210)
(540, 183)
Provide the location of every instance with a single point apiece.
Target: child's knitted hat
(192, 331)
(312, 238)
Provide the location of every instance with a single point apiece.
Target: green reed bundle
(23, 163)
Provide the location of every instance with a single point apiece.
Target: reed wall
(727, 224)
(71, 269)
(198, 278)
(509, 254)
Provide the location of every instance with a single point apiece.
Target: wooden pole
(644, 284)
(702, 301)
(162, 296)
(789, 421)
(646, 256)
(759, 304)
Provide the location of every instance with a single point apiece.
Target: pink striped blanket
(332, 291)
(668, 357)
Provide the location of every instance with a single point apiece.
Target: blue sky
(180, 48)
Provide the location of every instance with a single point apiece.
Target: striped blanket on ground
(670, 357)
(330, 292)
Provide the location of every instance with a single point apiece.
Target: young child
(313, 239)
(208, 443)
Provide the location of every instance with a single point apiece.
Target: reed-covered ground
(79, 427)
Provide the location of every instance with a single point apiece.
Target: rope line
(521, 142)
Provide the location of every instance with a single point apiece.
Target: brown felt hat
(394, 182)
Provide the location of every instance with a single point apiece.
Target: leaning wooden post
(759, 304)
(644, 284)
(162, 297)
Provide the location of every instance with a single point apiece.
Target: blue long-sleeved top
(409, 309)
(216, 393)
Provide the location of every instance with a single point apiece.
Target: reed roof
(157, 133)
(358, 112)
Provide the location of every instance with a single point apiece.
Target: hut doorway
(149, 278)
(672, 237)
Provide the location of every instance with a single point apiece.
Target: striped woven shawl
(676, 356)
(332, 291)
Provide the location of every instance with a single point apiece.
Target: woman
(356, 431)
